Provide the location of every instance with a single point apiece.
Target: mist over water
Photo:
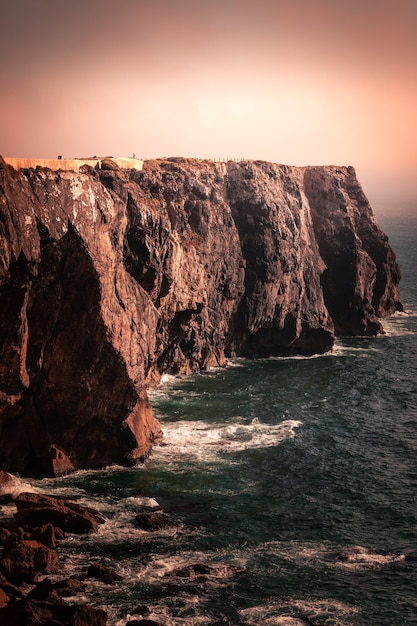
(291, 484)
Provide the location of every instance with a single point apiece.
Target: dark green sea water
(292, 481)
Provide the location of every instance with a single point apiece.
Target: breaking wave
(202, 440)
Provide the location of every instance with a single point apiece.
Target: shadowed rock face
(109, 278)
(360, 282)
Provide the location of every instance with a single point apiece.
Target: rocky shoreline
(32, 591)
(30, 554)
(110, 278)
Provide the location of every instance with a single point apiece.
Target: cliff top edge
(72, 164)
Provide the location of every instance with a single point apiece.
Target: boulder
(10, 590)
(140, 609)
(105, 574)
(4, 598)
(45, 534)
(33, 612)
(152, 521)
(24, 560)
(69, 587)
(45, 592)
(5, 535)
(36, 510)
(6, 498)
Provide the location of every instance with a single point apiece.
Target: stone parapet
(72, 164)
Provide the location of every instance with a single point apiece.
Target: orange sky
(296, 81)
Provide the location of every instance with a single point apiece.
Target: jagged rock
(24, 560)
(31, 612)
(361, 276)
(105, 574)
(109, 278)
(141, 609)
(59, 460)
(45, 592)
(6, 498)
(69, 587)
(35, 510)
(4, 598)
(10, 590)
(5, 535)
(154, 520)
(45, 534)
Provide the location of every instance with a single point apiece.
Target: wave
(358, 557)
(120, 529)
(400, 324)
(13, 486)
(77, 475)
(160, 615)
(294, 612)
(167, 380)
(203, 441)
(352, 558)
(187, 568)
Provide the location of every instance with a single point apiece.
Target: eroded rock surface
(110, 277)
(24, 560)
(35, 510)
(361, 276)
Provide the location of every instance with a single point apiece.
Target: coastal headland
(113, 276)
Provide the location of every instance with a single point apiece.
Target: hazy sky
(291, 81)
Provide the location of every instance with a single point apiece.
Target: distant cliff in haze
(111, 277)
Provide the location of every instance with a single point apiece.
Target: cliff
(110, 277)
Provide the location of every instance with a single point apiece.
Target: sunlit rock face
(110, 277)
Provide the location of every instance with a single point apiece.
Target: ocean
(291, 484)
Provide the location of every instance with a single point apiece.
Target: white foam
(160, 614)
(13, 486)
(60, 491)
(202, 441)
(358, 557)
(121, 529)
(171, 567)
(142, 502)
(70, 564)
(7, 512)
(269, 616)
(287, 613)
(236, 362)
(168, 379)
(353, 557)
(398, 325)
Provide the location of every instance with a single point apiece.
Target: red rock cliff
(110, 277)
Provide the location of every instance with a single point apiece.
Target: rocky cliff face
(110, 277)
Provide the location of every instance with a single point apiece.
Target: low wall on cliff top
(71, 164)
